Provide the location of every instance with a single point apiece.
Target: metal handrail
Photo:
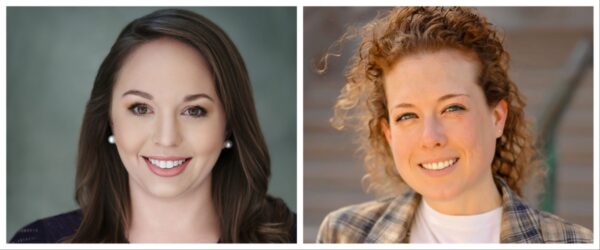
(556, 104)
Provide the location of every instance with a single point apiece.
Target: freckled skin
(424, 128)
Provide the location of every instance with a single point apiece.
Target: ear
(500, 113)
(385, 127)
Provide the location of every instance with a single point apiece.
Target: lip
(438, 160)
(167, 172)
(441, 172)
(167, 158)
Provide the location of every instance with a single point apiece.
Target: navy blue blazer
(53, 229)
(57, 228)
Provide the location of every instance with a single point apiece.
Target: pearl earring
(111, 139)
(228, 144)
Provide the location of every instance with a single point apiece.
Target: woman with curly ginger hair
(443, 131)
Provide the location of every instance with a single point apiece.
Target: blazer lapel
(520, 224)
(393, 225)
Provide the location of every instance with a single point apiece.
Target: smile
(438, 165)
(167, 166)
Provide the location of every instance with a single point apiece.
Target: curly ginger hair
(406, 31)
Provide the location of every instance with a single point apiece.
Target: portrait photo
(448, 124)
(151, 124)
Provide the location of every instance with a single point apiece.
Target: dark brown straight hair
(241, 175)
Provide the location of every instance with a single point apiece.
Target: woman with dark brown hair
(444, 134)
(170, 147)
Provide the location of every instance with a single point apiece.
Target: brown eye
(195, 111)
(140, 109)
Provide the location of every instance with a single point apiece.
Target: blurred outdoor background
(551, 63)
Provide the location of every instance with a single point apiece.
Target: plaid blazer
(389, 221)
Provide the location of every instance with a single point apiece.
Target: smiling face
(168, 122)
(441, 131)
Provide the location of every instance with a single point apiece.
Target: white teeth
(166, 164)
(438, 165)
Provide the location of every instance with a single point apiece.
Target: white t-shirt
(430, 226)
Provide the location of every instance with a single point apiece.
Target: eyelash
(201, 110)
(452, 108)
(402, 117)
(455, 106)
(134, 109)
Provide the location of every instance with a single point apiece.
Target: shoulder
(524, 224)
(277, 213)
(49, 230)
(556, 230)
(293, 229)
(352, 223)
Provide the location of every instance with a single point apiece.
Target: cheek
(476, 140)
(130, 133)
(403, 142)
(204, 137)
(464, 133)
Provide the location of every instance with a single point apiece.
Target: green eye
(454, 108)
(406, 116)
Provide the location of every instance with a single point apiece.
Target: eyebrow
(138, 93)
(188, 98)
(442, 98)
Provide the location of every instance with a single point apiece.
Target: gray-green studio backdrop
(53, 55)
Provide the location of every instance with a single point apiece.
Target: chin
(440, 193)
(165, 191)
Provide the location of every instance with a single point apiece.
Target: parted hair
(241, 175)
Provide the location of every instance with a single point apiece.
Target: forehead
(432, 74)
(165, 63)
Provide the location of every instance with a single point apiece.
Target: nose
(167, 132)
(433, 133)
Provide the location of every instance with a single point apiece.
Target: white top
(430, 226)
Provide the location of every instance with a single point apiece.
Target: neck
(479, 199)
(187, 218)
